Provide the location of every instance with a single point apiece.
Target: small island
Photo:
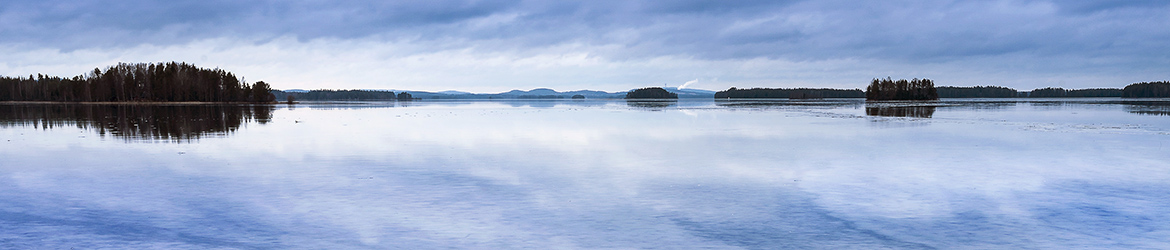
(889, 89)
(651, 93)
(405, 96)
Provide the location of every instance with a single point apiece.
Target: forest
(651, 93)
(796, 93)
(1147, 89)
(889, 89)
(976, 92)
(1060, 92)
(137, 82)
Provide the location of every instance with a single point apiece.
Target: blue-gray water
(827, 174)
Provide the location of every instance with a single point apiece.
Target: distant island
(977, 92)
(921, 89)
(651, 93)
(1150, 89)
(404, 96)
(1136, 90)
(1004, 92)
(889, 89)
(138, 82)
(1060, 92)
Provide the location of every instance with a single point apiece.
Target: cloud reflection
(489, 175)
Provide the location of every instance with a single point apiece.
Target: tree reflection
(1148, 108)
(653, 105)
(139, 122)
(900, 111)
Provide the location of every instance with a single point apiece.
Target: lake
(589, 174)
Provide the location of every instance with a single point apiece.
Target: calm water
(829, 174)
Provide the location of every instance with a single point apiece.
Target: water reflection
(138, 122)
(655, 105)
(488, 175)
(984, 105)
(900, 111)
(788, 103)
(1148, 108)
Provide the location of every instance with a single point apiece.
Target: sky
(496, 46)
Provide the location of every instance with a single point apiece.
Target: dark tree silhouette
(651, 93)
(977, 92)
(139, 82)
(405, 96)
(1147, 89)
(888, 89)
(1060, 92)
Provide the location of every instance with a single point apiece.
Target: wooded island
(889, 89)
(138, 82)
(651, 93)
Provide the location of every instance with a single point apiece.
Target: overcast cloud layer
(492, 46)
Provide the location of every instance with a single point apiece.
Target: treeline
(1060, 92)
(923, 89)
(796, 93)
(1003, 92)
(138, 82)
(977, 92)
(1147, 89)
(889, 89)
(338, 95)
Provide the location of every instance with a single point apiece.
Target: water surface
(541, 174)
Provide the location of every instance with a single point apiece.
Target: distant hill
(546, 93)
(795, 93)
(540, 93)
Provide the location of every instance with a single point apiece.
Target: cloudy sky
(495, 46)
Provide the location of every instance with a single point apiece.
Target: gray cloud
(704, 28)
(1098, 33)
